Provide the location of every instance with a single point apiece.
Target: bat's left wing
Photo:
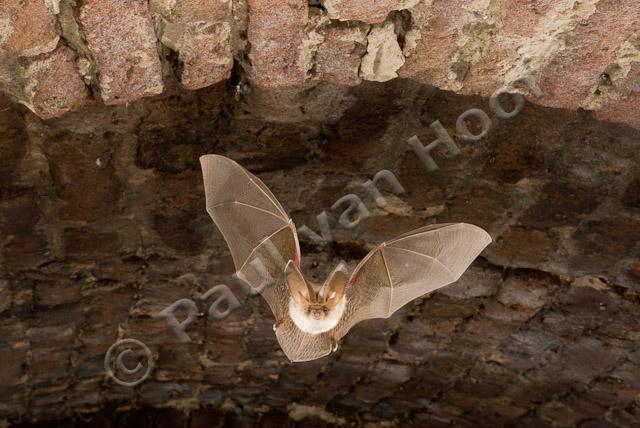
(262, 239)
(407, 267)
(258, 231)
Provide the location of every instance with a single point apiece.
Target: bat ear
(333, 289)
(300, 290)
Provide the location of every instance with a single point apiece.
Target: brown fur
(317, 300)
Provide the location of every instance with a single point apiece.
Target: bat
(312, 318)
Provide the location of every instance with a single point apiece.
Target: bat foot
(279, 322)
(334, 344)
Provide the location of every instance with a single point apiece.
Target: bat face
(316, 308)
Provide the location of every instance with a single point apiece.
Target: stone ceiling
(108, 104)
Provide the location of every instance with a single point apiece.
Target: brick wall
(565, 54)
(103, 226)
(102, 219)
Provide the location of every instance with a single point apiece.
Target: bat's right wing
(258, 231)
(407, 267)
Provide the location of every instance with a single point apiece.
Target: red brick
(629, 374)
(569, 76)
(201, 10)
(528, 246)
(338, 57)
(206, 56)
(522, 16)
(603, 243)
(557, 411)
(523, 293)
(200, 32)
(485, 77)
(5, 296)
(365, 10)
(12, 358)
(54, 85)
(30, 25)
(48, 364)
(62, 153)
(53, 293)
(476, 282)
(122, 40)
(624, 100)
(609, 392)
(429, 60)
(635, 269)
(276, 32)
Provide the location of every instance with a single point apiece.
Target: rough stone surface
(27, 28)
(102, 219)
(364, 10)
(103, 225)
(54, 86)
(622, 97)
(36, 68)
(436, 34)
(589, 49)
(200, 32)
(339, 56)
(276, 33)
(122, 41)
(50, 84)
(200, 71)
(566, 53)
(384, 55)
(524, 16)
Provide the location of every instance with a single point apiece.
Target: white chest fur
(312, 326)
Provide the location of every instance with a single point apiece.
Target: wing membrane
(409, 266)
(300, 346)
(243, 208)
(262, 239)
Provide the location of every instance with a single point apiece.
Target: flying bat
(312, 318)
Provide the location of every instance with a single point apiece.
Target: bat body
(312, 318)
(316, 309)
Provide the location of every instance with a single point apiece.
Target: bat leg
(280, 321)
(334, 342)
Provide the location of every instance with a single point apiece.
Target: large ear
(302, 293)
(333, 289)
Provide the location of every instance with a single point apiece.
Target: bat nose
(316, 315)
